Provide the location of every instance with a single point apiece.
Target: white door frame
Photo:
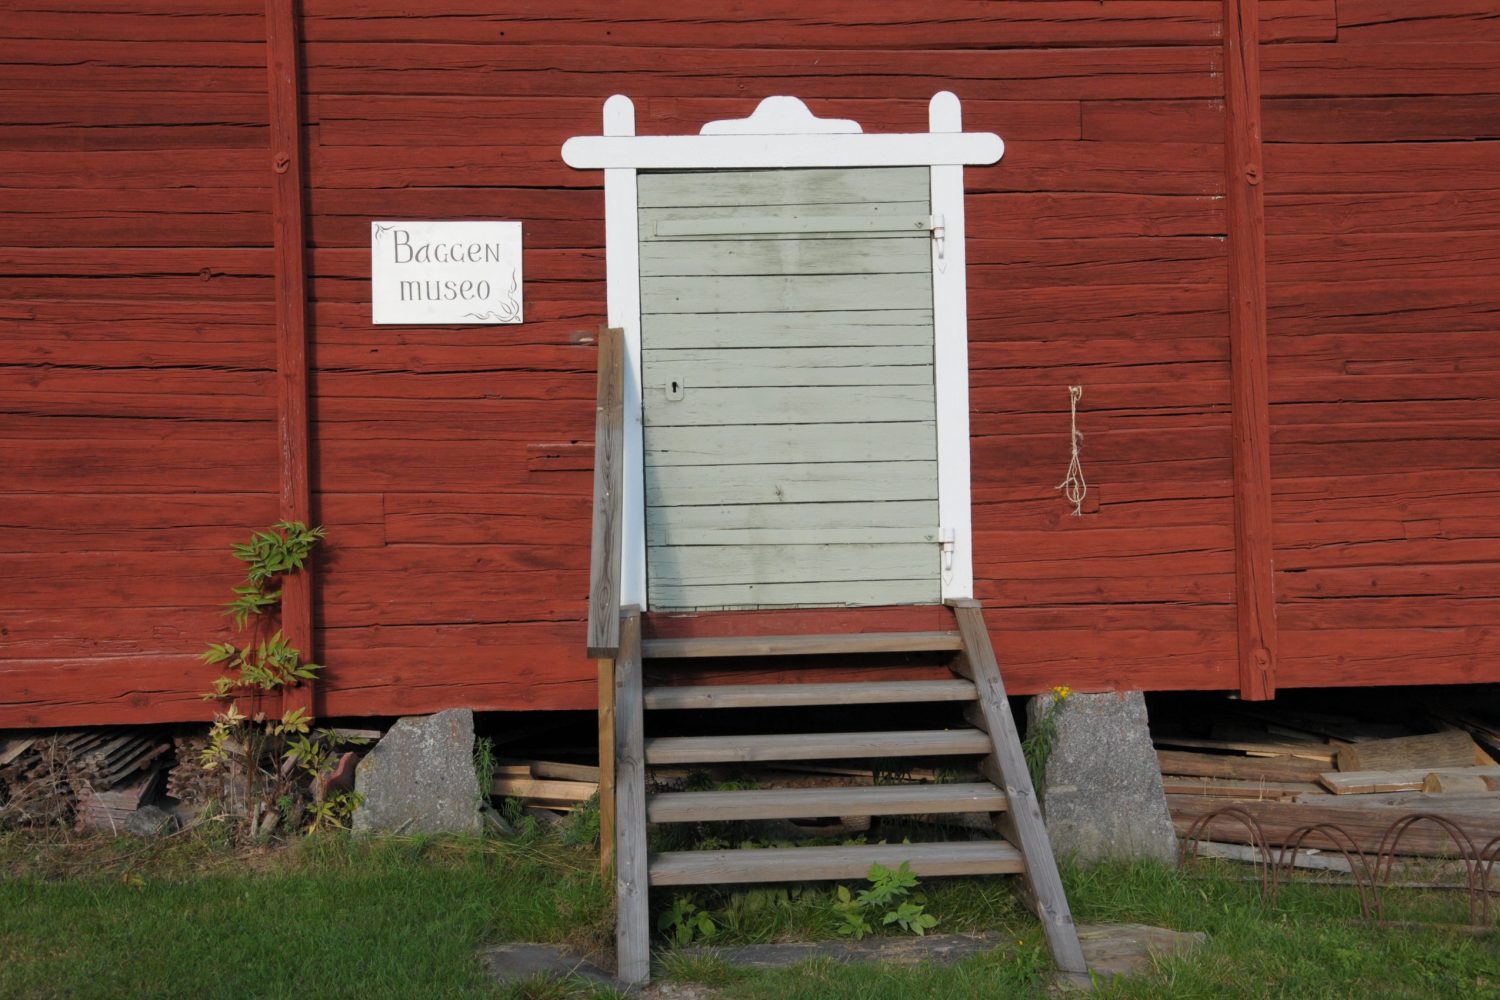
(782, 133)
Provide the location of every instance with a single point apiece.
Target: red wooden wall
(1383, 256)
(137, 341)
(137, 410)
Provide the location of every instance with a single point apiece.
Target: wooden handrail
(609, 484)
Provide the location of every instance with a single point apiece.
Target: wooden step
(814, 746)
(791, 695)
(811, 803)
(801, 864)
(801, 645)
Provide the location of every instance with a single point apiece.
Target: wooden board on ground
(1366, 825)
(1255, 791)
(1408, 780)
(1459, 783)
(1268, 748)
(14, 747)
(1235, 766)
(550, 793)
(1455, 748)
(547, 769)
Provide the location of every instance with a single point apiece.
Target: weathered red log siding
(1383, 221)
(137, 349)
(452, 464)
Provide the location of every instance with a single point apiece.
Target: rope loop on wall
(1074, 487)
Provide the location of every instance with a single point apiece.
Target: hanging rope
(1074, 487)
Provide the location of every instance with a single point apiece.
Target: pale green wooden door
(790, 424)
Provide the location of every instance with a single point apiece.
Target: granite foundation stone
(1102, 796)
(420, 778)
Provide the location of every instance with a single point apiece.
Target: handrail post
(606, 767)
(609, 480)
(604, 567)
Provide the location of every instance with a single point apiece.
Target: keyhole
(674, 389)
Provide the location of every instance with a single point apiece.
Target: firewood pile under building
(1291, 768)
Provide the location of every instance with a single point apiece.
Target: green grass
(1310, 944)
(333, 917)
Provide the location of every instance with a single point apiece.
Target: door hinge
(939, 234)
(947, 540)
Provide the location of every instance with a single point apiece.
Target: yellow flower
(1062, 692)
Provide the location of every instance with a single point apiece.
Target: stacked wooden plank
(550, 786)
(33, 784)
(188, 781)
(1289, 774)
(107, 809)
(106, 758)
(97, 777)
(113, 773)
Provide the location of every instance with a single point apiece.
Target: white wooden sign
(444, 273)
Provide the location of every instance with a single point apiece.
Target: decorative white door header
(783, 133)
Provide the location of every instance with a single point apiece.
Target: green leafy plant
(334, 811)
(282, 549)
(888, 901)
(685, 923)
(1036, 748)
(277, 766)
(851, 915)
(887, 885)
(911, 916)
(581, 826)
(484, 768)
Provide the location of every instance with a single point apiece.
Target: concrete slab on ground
(513, 963)
(1111, 950)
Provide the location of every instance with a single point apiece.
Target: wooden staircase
(614, 638)
(1020, 848)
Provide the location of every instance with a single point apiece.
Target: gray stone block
(1111, 950)
(420, 777)
(150, 821)
(1102, 797)
(516, 963)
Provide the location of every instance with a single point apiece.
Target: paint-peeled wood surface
(1381, 160)
(137, 408)
(804, 473)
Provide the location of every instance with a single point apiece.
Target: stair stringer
(1022, 823)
